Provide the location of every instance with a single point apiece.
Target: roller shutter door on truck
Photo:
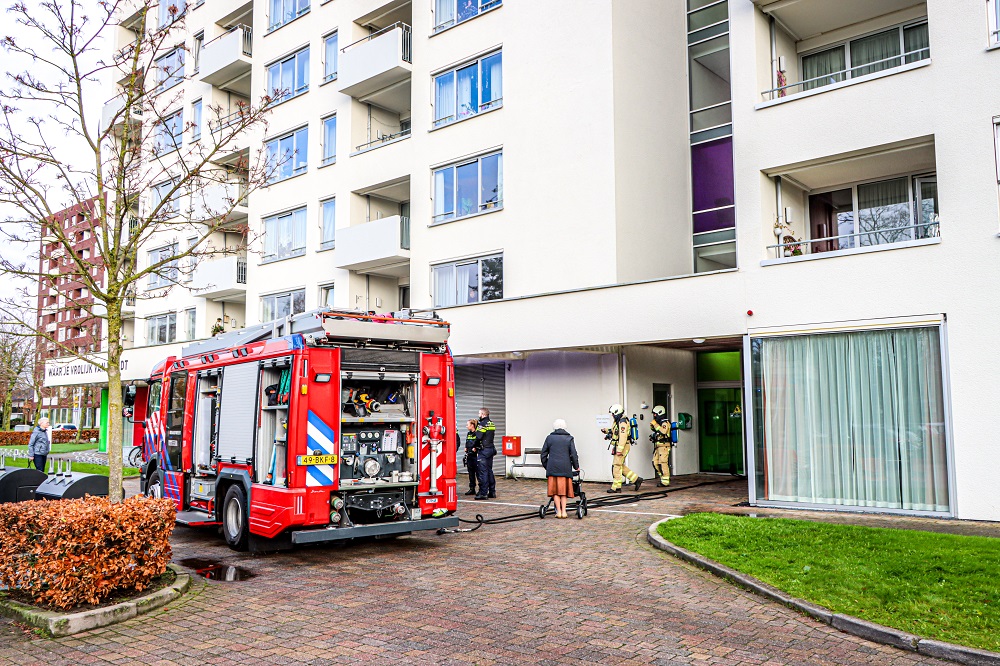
(238, 411)
(482, 385)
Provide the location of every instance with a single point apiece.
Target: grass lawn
(67, 447)
(77, 467)
(938, 586)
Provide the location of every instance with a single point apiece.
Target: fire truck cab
(324, 426)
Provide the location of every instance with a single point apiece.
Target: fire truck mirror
(128, 397)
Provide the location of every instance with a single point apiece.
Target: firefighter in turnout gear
(660, 425)
(620, 434)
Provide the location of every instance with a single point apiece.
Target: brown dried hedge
(70, 552)
(10, 438)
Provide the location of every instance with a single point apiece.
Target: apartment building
(778, 216)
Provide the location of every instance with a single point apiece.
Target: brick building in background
(64, 313)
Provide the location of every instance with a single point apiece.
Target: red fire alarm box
(512, 445)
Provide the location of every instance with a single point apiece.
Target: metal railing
(382, 138)
(247, 41)
(930, 233)
(407, 39)
(849, 73)
(404, 232)
(241, 270)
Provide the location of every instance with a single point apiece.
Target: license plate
(317, 460)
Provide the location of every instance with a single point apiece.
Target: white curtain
(917, 42)
(444, 97)
(329, 139)
(329, 220)
(468, 283)
(299, 229)
(874, 49)
(444, 285)
(468, 91)
(831, 62)
(330, 60)
(853, 419)
(444, 194)
(444, 13)
(492, 79)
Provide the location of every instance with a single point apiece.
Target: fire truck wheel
(234, 518)
(155, 486)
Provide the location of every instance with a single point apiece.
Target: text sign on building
(75, 371)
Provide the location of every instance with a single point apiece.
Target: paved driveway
(535, 592)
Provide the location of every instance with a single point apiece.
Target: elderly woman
(560, 461)
(38, 445)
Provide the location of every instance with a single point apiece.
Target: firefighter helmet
(659, 410)
(616, 410)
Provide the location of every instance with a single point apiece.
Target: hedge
(10, 438)
(69, 552)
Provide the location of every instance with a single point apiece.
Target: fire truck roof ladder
(406, 326)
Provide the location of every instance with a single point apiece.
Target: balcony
(225, 201)
(225, 62)
(377, 69)
(221, 279)
(379, 247)
(113, 116)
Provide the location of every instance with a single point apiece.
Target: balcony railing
(381, 139)
(407, 53)
(247, 41)
(241, 271)
(868, 238)
(885, 64)
(404, 232)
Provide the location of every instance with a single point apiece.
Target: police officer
(485, 432)
(472, 455)
(621, 442)
(660, 425)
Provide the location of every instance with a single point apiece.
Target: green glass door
(720, 429)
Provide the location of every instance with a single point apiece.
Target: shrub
(69, 552)
(58, 437)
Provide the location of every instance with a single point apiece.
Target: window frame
(298, 13)
(327, 74)
(296, 89)
(492, 105)
(327, 243)
(483, 6)
(153, 256)
(153, 322)
(454, 265)
(290, 293)
(327, 159)
(845, 44)
(164, 75)
(163, 18)
(294, 170)
(171, 133)
(482, 207)
(191, 323)
(993, 22)
(197, 44)
(197, 109)
(324, 290)
(172, 207)
(277, 219)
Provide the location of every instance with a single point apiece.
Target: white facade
(592, 214)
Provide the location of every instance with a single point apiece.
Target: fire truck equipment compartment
(72, 486)
(18, 484)
(378, 529)
(236, 417)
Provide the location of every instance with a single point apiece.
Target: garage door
(482, 385)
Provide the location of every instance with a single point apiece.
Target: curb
(876, 633)
(57, 624)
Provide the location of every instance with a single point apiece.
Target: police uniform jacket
(485, 434)
(559, 454)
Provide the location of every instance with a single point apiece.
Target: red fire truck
(324, 426)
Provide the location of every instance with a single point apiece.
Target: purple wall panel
(712, 175)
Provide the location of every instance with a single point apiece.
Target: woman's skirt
(561, 485)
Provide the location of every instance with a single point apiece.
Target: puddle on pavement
(212, 570)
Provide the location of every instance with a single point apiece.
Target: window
(285, 235)
(866, 55)
(289, 77)
(468, 90)
(288, 155)
(191, 260)
(196, 120)
(166, 274)
(170, 11)
(329, 140)
(851, 419)
(330, 52)
(168, 133)
(190, 317)
(170, 70)
(994, 21)
(326, 296)
(285, 11)
(199, 41)
(172, 205)
(468, 188)
(469, 281)
(451, 12)
(329, 212)
(888, 211)
(278, 306)
(162, 329)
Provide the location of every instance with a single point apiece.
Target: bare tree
(17, 355)
(134, 181)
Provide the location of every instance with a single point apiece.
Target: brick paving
(532, 592)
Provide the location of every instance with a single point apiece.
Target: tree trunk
(114, 401)
(8, 407)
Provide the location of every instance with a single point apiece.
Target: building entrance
(720, 412)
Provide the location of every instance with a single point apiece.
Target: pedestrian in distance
(471, 455)
(560, 460)
(38, 445)
(485, 433)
